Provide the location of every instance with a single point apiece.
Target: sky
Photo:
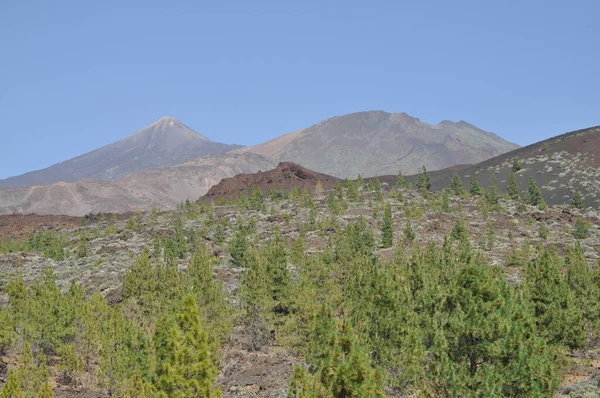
(77, 75)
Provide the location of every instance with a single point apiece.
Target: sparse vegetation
(302, 276)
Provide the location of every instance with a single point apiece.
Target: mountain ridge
(372, 143)
(165, 142)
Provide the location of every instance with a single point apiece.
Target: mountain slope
(560, 166)
(164, 188)
(165, 142)
(376, 142)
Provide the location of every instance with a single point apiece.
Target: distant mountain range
(167, 161)
(163, 188)
(165, 142)
(377, 143)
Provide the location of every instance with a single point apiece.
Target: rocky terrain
(20, 226)
(286, 176)
(560, 166)
(113, 243)
(165, 142)
(378, 143)
(163, 188)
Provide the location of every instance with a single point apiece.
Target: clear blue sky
(76, 75)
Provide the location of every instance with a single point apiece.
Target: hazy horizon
(78, 77)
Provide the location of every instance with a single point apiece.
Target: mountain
(377, 143)
(163, 188)
(559, 165)
(286, 176)
(165, 142)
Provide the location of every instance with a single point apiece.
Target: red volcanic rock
(286, 176)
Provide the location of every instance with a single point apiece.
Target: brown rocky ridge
(286, 176)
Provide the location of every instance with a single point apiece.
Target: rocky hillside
(377, 143)
(163, 188)
(560, 166)
(323, 244)
(165, 142)
(286, 176)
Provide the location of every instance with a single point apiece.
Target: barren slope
(560, 166)
(164, 188)
(377, 143)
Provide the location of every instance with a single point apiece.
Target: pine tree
(12, 387)
(580, 230)
(215, 311)
(138, 388)
(492, 195)
(342, 368)
(187, 369)
(8, 336)
(239, 245)
(45, 391)
(474, 188)
(558, 317)
(513, 187)
(423, 180)
(534, 194)
(32, 372)
(387, 227)
(456, 184)
(400, 181)
(577, 202)
(257, 302)
(459, 231)
(70, 364)
(118, 353)
(581, 281)
(409, 233)
(445, 201)
(279, 276)
(517, 165)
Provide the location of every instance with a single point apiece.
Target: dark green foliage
(474, 188)
(239, 245)
(387, 227)
(279, 277)
(8, 335)
(400, 181)
(341, 367)
(456, 184)
(445, 202)
(512, 186)
(533, 196)
(580, 230)
(517, 165)
(459, 231)
(51, 244)
(582, 281)
(487, 346)
(576, 202)
(257, 302)
(423, 180)
(254, 200)
(352, 192)
(492, 194)
(543, 231)
(558, 317)
(409, 233)
(82, 246)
